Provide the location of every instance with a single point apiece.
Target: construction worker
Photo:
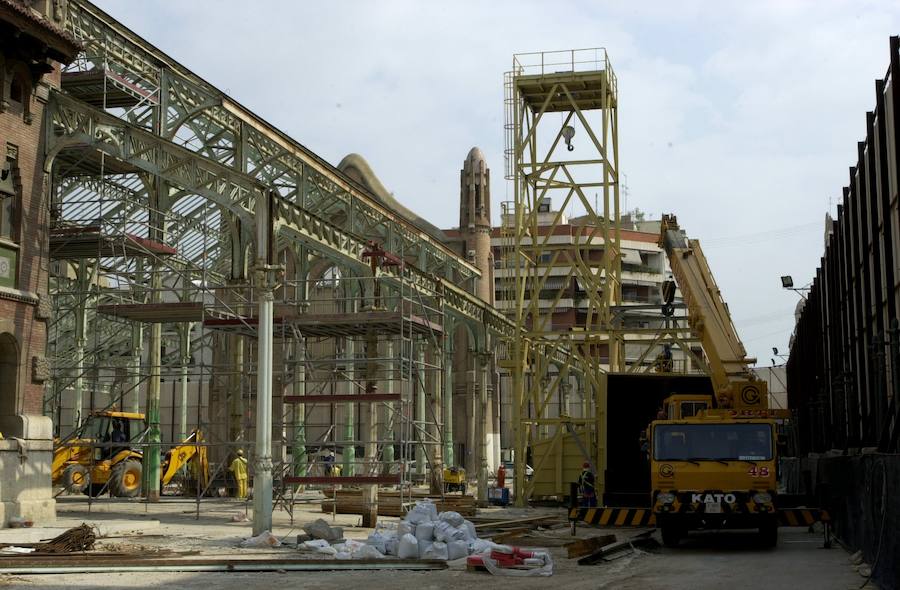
(239, 468)
(586, 487)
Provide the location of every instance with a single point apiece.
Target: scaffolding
(155, 190)
(562, 148)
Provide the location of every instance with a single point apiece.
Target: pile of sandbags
(426, 534)
(422, 534)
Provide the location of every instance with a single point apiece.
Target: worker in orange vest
(501, 476)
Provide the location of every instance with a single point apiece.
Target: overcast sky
(741, 117)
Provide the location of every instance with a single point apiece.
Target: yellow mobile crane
(713, 458)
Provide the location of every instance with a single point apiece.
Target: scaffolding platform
(89, 241)
(332, 324)
(155, 313)
(380, 480)
(334, 399)
(103, 88)
(587, 90)
(80, 159)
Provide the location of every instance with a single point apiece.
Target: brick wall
(18, 307)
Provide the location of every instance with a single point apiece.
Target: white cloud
(739, 117)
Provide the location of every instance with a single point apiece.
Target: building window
(8, 199)
(16, 90)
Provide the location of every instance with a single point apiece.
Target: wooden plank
(505, 523)
(587, 546)
(506, 536)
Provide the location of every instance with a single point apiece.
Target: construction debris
(512, 561)
(319, 529)
(587, 546)
(80, 538)
(264, 539)
(643, 541)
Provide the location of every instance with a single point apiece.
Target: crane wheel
(76, 478)
(125, 479)
(671, 535)
(768, 535)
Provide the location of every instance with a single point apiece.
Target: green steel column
(482, 420)
(80, 341)
(420, 410)
(298, 451)
(350, 417)
(391, 386)
(185, 350)
(151, 455)
(448, 403)
(137, 349)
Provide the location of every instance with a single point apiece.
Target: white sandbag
(377, 540)
(423, 511)
(391, 545)
(425, 532)
(445, 532)
(441, 529)
(408, 548)
(424, 546)
(453, 518)
(406, 528)
(457, 550)
(342, 555)
(349, 546)
(470, 530)
(313, 545)
(436, 550)
(367, 552)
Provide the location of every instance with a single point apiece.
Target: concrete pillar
(262, 474)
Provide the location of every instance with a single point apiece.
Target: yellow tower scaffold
(562, 156)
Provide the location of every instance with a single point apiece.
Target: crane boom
(734, 383)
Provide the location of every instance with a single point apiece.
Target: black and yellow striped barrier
(642, 517)
(614, 517)
(802, 516)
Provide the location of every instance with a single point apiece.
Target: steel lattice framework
(555, 101)
(158, 184)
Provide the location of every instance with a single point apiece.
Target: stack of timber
(350, 501)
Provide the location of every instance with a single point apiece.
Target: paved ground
(729, 560)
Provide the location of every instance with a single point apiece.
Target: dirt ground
(730, 560)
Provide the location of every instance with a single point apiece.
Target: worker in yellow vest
(239, 468)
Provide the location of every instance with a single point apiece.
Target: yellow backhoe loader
(101, 455)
